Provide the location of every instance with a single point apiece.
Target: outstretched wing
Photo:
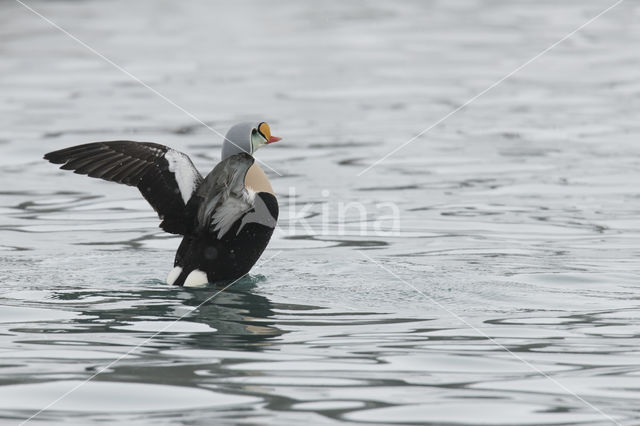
(166, 178)
(224, 198)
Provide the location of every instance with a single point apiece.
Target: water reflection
(236, 318)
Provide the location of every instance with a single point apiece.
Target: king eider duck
(226, 219)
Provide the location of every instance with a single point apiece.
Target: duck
(226, 219)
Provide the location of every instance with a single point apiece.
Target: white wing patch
(230, 211)
(185, 173)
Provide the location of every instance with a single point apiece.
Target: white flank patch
(173, 275)
(196, 278)
(184, 172)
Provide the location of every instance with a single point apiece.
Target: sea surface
(485, 273)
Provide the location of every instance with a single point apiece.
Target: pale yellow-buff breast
(256, 180)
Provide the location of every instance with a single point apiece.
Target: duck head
(247, 137)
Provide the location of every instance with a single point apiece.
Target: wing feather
(224, 198)
(166, 178)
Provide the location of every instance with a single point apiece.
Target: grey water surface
(507, 294)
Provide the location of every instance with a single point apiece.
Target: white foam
(184, 172)
(196, 278)
(173, 275)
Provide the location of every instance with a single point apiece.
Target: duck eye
(254, 131)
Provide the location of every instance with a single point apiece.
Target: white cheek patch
(173, 275)
(196, 278)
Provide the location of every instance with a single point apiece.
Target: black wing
(165, 177)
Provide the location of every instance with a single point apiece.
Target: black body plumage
(230, 257)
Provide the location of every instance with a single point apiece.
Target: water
(519, 223)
